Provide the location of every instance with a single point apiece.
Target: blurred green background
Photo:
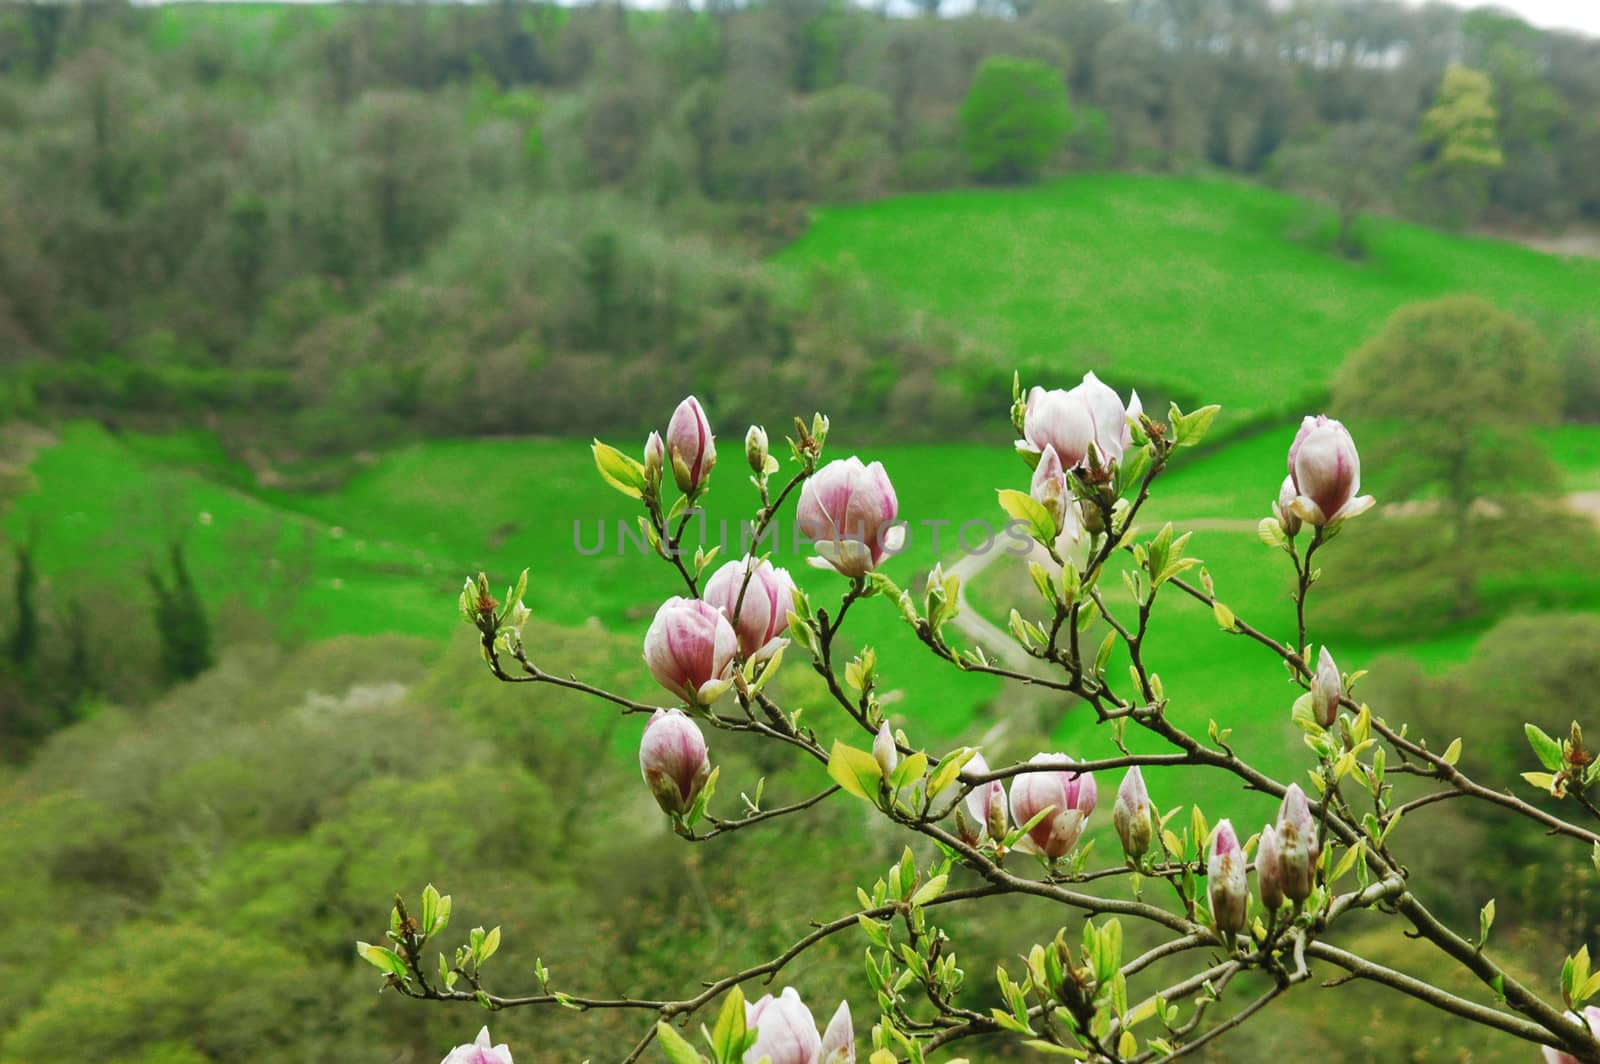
(309, 311)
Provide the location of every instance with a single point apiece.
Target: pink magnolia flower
(763, 616)
(673, 760)
(690, 445)
(690, 647)
(986, 803)
(479, 1052)
(1069, 795)
(786, 1033)
(1067, 422)
(848, 510)
(1225, 879)
(1591, 1016)
(1326, 471)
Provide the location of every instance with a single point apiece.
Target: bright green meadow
(1175, 282)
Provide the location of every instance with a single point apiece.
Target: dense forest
(375, 220)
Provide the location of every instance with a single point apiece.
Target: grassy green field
(386, 552)
(1142, 281)
(1198, 286)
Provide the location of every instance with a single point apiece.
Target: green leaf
(383, 959)
(1270, 532)
(1020, 506)
(1190, 429)
(1452, 753)
(949, 769)
(910, 769)
(621, 471)
(855, 770)
(929, 890)
(1225, 618)
(676, 1047)
(727, 1040)
(1546, 749)
(491, 943)
(1485, 921)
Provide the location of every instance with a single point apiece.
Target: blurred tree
(180, 619)
(1459, 145)
(23, 642)
(1015, 119)
(1354, 166)
(1453, 386)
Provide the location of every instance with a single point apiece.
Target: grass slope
(1193, 285)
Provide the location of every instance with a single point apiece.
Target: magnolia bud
(1131, 814)
(763, 616)
(847, 510)
(672, 758)
(690, 446)
(1326, 471)
(1326, 689)
(884, 752)
(1269, 872)
(690, 648)
(1288, 520)
(655, 459)
(986, 803)
(1049, 488)
(1225, 880)
(786, 1033)
(1297, 844)
(755, 449)
(1591, 1019)
(480, 1052)
(1070, 796)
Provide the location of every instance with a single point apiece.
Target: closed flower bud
(1326, 471)
(1131, 417)
(1326, 689)
(1297, 844)
(786, 1033)
(1131, 814)
(690, 648)
(655, 459)
(1225, 880)
(762, 618)
(1591, 1017)
(1288, 520)
(839, 1040)
(755, 449)
(1067, 422)
(1050, 490)
(1269, 872)
(884, 751)
(690, 446)
(1070, 797)
(986, 803)
(847, 510)
(672, 758)
(479, 1052)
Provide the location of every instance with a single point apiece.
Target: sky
(1582, 15)
(1558, 14)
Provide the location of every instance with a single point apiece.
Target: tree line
(368, 219)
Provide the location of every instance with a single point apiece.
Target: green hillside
(1199, 287)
